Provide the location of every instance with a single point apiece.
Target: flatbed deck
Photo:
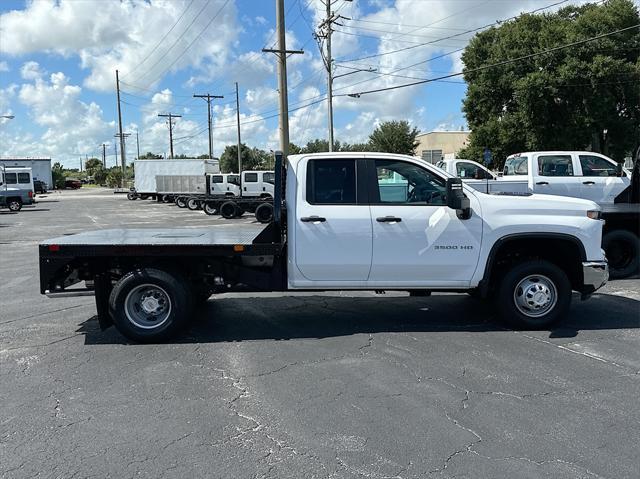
(621, 208)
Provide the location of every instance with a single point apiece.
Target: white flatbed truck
(333, 230)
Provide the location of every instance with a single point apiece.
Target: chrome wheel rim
(535, 295)
(147, 306)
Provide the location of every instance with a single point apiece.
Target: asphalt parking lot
(344, 385)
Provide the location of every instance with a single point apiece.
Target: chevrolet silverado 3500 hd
(338, 225)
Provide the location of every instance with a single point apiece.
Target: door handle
(313, 219)
(588, 182)
(542, 183)
(388, 219)
(245, 188)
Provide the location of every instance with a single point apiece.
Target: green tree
(394, 137)
(91, 165)
(114, 177)
(229, 159)
(100, 176)
(58, 175)
(150, 156)
(584, 97)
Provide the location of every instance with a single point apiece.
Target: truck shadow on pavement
(298, 317)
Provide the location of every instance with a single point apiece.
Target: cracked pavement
(341, 385)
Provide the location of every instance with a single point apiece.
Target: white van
(581, 174)
(21, 178)
(227, 184)
(258, 183)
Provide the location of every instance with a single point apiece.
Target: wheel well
(565, 253)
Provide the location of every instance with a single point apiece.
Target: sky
(58, 60)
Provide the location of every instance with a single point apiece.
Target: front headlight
(594, 214)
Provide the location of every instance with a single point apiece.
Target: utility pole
(122, 137)
(122, 155)
(239, 141)
(115, 149)
(137, 145)
(325, 29)
(171, 116)
(104, 155)
(282, 52)
(209, 98)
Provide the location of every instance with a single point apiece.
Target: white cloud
(122, 35)
(4, 67)
(260, 20)
(31, 71)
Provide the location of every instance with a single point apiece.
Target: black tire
(14, 204)
(129, 316)
(210, 209)
(623, 253)
(229, 209)
(193, 204)
(132, 196)
(181, 202)
(264, 213)
(165, 198)
(540, 287)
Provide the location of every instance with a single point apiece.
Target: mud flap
(102, 285)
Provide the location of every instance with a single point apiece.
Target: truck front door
(417, 240)
(600, 181)
(332, 222)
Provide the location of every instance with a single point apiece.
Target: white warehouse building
(40, 166)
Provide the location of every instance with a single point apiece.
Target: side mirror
(456, 200)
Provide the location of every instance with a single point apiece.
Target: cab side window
(400, 182)
(555, 165)
(217, 179)
(251, 177)
(596, 166)
(518, 165)
(11, 178)
(331, 182)
(24, 178)
(464, 169)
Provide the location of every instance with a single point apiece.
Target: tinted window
(555, 165)
(24, 178)
(12, 178)
(464, 169)
(251, 177)
(217, 179)
(401, 182)
(518, 165)
(331, 182)
(233, 179)
(596, 166)
(269, 178)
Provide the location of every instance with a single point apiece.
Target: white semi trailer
(147, 171)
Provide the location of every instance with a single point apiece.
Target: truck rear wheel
(132, 196)
(14, 204)
(210, 209)
(623, 253)
(229, 210)
(193, 204)
(264, 213)
(534, 294)
(149, 305)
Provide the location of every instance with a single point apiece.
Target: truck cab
(581, 174)
(227, 184)
(481, 178)
(258, 183)
(16, 187)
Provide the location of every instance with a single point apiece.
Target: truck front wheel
(534, 294)
(623, 252)
(14, 204)
(229, 210)
(149, 305)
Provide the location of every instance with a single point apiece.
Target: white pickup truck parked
(333, 229)
(480, 178)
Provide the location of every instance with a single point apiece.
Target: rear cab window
(555, 165)
(331, 182)
(251, 177)
(516, 165)
(24, 178)
(217, 179)
(269, 178)
(12, 178)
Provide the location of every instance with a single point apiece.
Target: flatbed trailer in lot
(334, 228)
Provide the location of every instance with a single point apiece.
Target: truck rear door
(333, 229)
(556, 174)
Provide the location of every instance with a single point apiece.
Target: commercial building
(437, 145)
(40, 167)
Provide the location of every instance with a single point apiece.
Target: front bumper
(595, 274)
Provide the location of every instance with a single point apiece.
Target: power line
(165, 35)
(485, 67)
